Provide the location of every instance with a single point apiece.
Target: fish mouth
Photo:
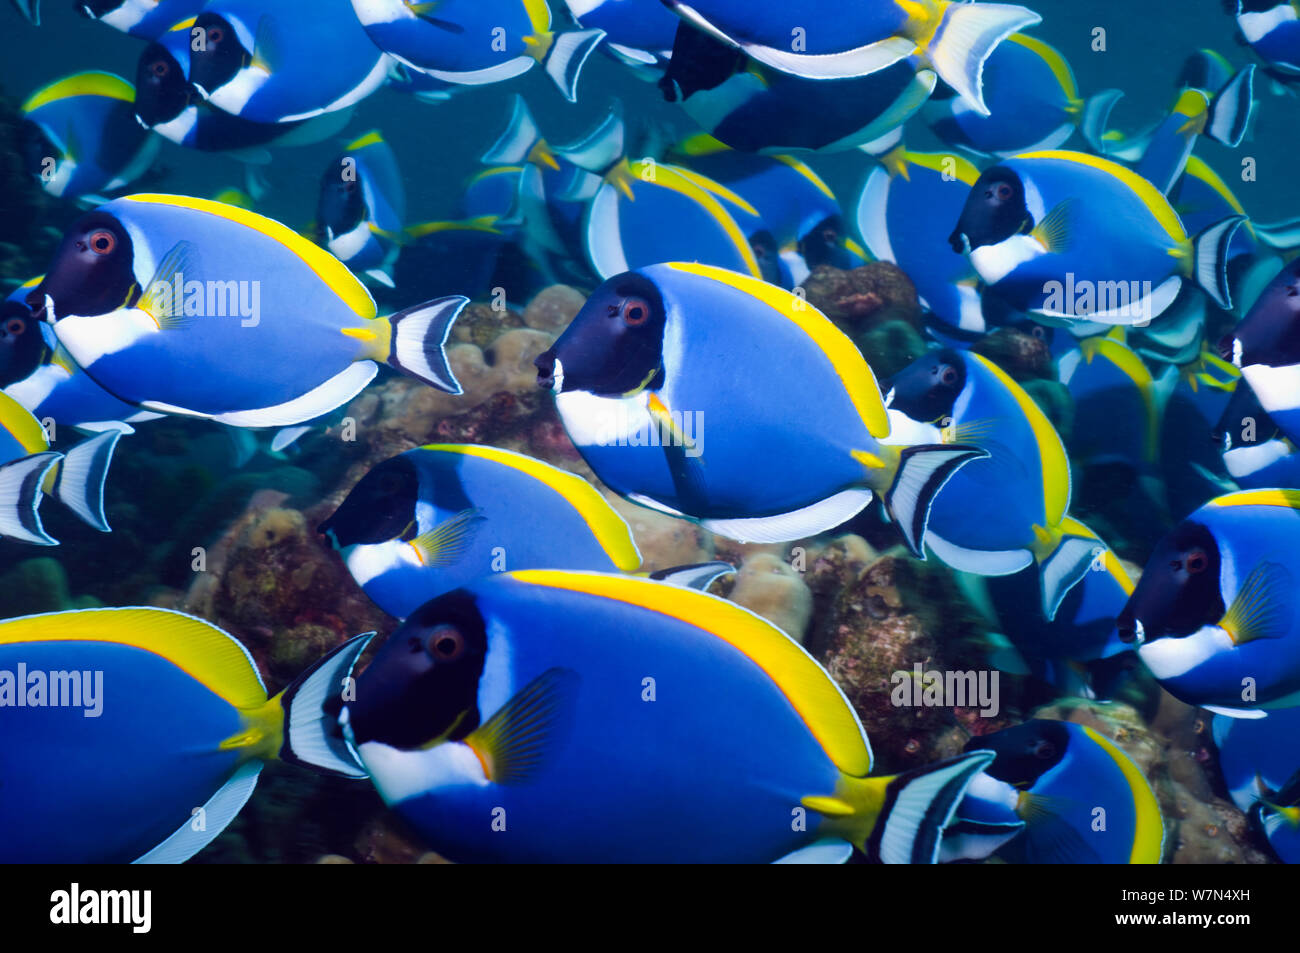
(1132, 635)
(960, 243)
(550, 374)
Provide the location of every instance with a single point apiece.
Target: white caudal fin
(1094, 122)
(419, 340)
(216, 815)
(311, 708)
(518, 138)
(1231, 109)
(967, 35)
(1210, 259)
(922, 472)
(919, 805)
(569, 51)
(1064, 567)
(599, 149)
(20, 496)
(80, 482)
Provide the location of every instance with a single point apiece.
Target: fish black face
(615, 344)
(340, 206)
(379, 508)
(423, 684)
(161, 90)
(824, 244)
(699, 62)
(36, 149)
(21, 344)
(216, 53)
(1024, 752)
(1179, 591)
(768, 255)
(994, 211)
(1269, 334)
(927, 388)
(91, 270)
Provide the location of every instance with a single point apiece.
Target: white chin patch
(1256, 26)
(1171, 657)
(399, 774)
(175, 130)
(124, 17)
(1243, 461)
(381, 11)
(593, 421)
(995, 262)
(906, 432)
(234, 95)
(347, 246)
(1278, 388)
(90, 338)
(368, 561)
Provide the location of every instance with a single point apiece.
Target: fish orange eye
(215, 34)
(103, 242)
(1043, 750)
(1197, 562)
(948, 375)
(446, 644)
(1003, 191)
(16, 326)
(160, 68)
(1039, 333)
(636, 312)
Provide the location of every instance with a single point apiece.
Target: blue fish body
(1221, 632)
(279, 78)
(1083, 800)
(365, 231)
(663, 428)
(1116, 234)
(644, 213)
(1031, 94)
(252, 292)
(83, 137)
(497, 510)
(657, 788)
(903, 215)
(164, 715)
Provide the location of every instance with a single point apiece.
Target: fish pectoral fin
(265, 47)
(1262, 608)
(515, 742)
(1048, 837)
(164, 299)
(447, 541)
(1055, 231)
(220, 809)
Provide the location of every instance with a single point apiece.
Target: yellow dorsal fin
(91, 83)
(200, 649)
(606, 525)
(329, 269)
(810, 691)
